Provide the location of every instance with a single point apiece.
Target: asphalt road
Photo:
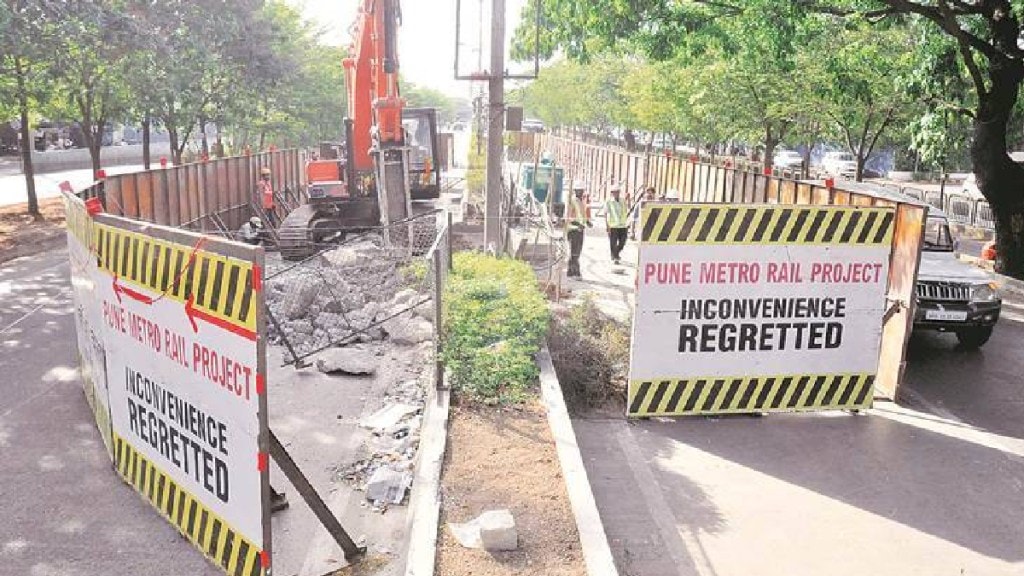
(982, 388)
(64, 510)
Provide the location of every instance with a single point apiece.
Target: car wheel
(973, 338)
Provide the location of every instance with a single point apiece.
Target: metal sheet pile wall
(693, 181)
(188, 195)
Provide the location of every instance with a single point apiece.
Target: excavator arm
(371, 77)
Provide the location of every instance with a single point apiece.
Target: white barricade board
(88, 316)
(179, 315)
(757, 308)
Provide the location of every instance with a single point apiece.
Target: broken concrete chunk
(302, 327)
(297, 302)
(466, 534)
(494, 530)
(498, 530)
(387, 485)
(405, 298)
(409, 331)
(346, 361)
(387, 417)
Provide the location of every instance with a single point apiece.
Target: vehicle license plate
(947, 315)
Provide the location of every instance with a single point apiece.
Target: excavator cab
(420, 126)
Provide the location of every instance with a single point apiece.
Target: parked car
(953, 296)
(842, 164)
(788, 159)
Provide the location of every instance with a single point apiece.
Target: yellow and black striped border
(214, 537)
(79, 223)
(737, 395)
(219, 286)
(767, 224)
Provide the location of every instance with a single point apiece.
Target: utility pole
(496, 126)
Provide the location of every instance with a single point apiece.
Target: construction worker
(616, 221)
(252, 231)
(576, 223)
(634, 209)
(266, 192)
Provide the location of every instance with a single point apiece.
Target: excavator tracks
(294, 235)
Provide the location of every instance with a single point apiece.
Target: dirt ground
(19, 232)
(505, 458)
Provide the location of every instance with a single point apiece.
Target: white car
(842, 164)
(788, 159)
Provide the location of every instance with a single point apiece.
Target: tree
(986, 34)
(89, 53)
(424, 97)
(857, 82)
(22, 77)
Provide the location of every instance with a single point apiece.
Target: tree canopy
(916, 69)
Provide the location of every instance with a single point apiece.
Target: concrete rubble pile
(384, 469)
(359, 289)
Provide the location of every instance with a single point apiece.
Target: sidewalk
(817, 493)
(610, 285)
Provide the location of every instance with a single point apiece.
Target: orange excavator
(388, 161)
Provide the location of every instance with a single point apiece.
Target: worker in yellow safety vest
(576, 222)
(617, 221)
(265, 190)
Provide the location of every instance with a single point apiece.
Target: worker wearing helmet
(266, 193)
(252, 231)
(617, 222)
(576, 222)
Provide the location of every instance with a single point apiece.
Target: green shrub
(495, 319)
(590, 351)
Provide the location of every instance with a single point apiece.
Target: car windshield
(937, 237)
(843, 157)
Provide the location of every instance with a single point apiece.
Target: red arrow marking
(193, 313)
(134, 295)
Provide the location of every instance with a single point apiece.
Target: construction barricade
(167, 324)
(757, 308)
(726, 217)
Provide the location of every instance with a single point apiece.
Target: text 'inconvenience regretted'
(752, 322)
(194, 440)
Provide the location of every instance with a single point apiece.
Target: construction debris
(356, 293)
(494, 530)
(386, 418)
(387, 485)
(355, 361)
(384, 469)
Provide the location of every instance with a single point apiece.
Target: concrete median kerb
(1005, 282)
(593, 540)
(425, 499)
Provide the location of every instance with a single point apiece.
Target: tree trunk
(999, 178)
(770, 142)
(202, 128)
(94, 153)
(806, 168)
(172, 134)
(859, 175)
(26, 142)
(147, 122)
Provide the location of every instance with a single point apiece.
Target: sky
(426, 49)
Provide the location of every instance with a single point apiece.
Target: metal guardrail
(959, 208)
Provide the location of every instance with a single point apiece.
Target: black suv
(953, 296)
